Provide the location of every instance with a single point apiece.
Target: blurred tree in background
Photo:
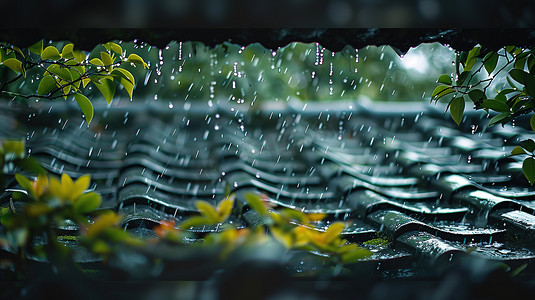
(191, 71)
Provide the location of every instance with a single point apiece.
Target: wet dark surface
(440, 194)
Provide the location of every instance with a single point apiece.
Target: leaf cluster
(49, 203)
(70, 72)
(296, 230)
(517, 97)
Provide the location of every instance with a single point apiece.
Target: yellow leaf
(224, 208)
(283, 237)
(276, 217)
(102, 223)
(85, 81)
(207, 210)
(303, 235)
(315, 217)
(66, 91)
(78, 187)
(54, 186)
(333, 232)
(40, 185)
(37, 209)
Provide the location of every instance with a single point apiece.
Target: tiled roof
(438, 192)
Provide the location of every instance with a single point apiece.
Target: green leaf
(529, 83)
(490, 62)
(520, 62)
(517, 151)
(46, 85)
(333, 232)
(136, 59)
(102, 223)
(50, 53)
(96, 61)
(85, 81)
(255, 202)
(36, 48)
(457, 109)
(76, 73)
(25, 183)
(97, 78)
(510, 49)
(518, 75)
(444, 79)
(528, 166)
(356, 255)
(519, 104)
(512, 84)
(462, 77)
(106, 58)
(107, 88)
(15, 65)
(62, 73)
(476, 95)
(441, 91)
(17, 49)
(529, 145)
(470, 64)
(496, 105)
(532, 122)
(85, 106)
(124, 74)
(294, 214)
(125, 78)
(66, 89)
(30, 164)
(113, 47)
(472, 58)
(195, 222)
(13, 146)
(531, 63)
(79, 56)
(498, 118)
(67, 51)
(207, 211)
(87, 203)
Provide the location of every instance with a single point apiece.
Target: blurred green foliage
(309, 72)
(187, 71)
